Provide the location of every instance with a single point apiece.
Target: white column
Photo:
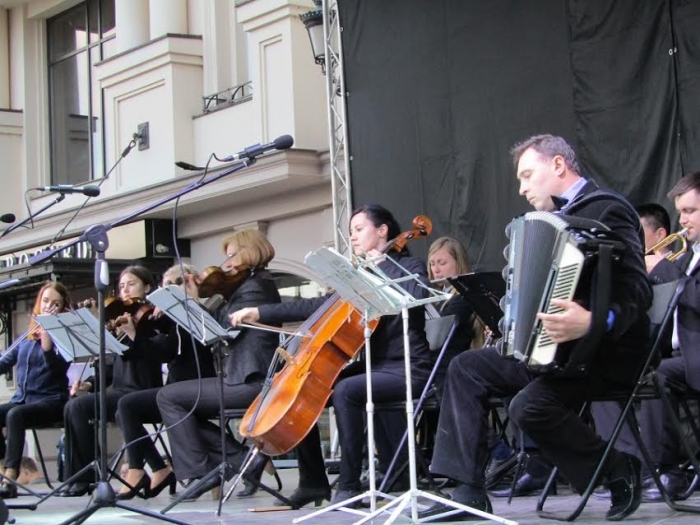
(132, 23)
(4, 60)
(216, 42)
(168, 16)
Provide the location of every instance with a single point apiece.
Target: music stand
(483, 292)
(377, 293)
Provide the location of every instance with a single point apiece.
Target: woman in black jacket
(371, 227)
(196, 440)
(132, 371)
(186, 360)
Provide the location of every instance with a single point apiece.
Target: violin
(279, 418)
(115, 308)
(214, 280)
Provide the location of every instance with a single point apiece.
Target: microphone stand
(96, 235)
(12, 228)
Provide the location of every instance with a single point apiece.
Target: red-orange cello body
(280, 420)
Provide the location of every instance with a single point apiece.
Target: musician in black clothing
(132, 371)
(185, 362)
(370, 228)
(683, 366)
(187, 407)
(546, 407)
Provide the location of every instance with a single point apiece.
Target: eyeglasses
(176, 282)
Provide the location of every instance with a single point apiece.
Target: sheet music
(76, 334)
(363, 289)
(188, 313)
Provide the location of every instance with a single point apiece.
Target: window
(77, 40)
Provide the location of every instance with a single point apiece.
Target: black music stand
(483, 292)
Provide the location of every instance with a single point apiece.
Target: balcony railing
(228, 97)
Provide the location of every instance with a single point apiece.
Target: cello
(283, 414)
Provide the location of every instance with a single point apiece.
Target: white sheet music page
(76, 334)
(190, 315)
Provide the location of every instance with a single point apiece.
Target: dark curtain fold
(439, 90)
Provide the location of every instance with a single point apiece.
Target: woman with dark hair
(42, 384)
(134, 370)
(186, 360)
(371, 227)
(187, 407)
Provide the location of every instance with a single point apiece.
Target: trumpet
(668, 241)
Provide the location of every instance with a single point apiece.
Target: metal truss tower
(337, 126)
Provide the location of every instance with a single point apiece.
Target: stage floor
(237, 512)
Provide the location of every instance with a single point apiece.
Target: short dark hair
(548, 146)
(687, 183)
(379, 215)
(655, 215)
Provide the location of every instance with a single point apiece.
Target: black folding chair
(647, 386)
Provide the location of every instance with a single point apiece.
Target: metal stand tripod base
(105, 497)
(410, 499)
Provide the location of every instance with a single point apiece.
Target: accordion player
(548, 256)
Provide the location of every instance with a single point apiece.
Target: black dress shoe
(203, 488)
(675, 484)
(252, 476)
(480, 503)
(8, 490)
(304, 495)
(143, 487)
(499, 469)
(625, 484)
(77, 489)
(526, 485)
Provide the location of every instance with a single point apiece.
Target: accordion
(548, 255)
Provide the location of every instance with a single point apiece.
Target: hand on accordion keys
(571, 323)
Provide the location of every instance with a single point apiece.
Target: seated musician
(132, 371)
(656, 224)
(546, 407)
(186, 360)
(683, 366)
(187, 407)
(370, 228)
(42, 385)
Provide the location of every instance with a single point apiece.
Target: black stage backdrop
(439, 91)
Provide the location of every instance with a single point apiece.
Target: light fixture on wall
(313, 22)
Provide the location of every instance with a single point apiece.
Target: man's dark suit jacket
(688, 312)
(622, 350)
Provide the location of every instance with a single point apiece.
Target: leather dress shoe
(625, 484)
(8, 490)
(304, 495)
(77, 489)
(252, 476)
(675, 484)
(526, 485)
(346, 494)
(499, 469)
(480, 503)
(142, 488)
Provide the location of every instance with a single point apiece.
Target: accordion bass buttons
(506, 252)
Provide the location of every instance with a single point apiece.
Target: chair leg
(42, 462)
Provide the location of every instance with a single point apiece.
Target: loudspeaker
(159, 239)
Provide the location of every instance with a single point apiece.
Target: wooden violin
(214, 280)
(282, 416)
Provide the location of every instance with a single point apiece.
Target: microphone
(90, 191)
(8, 217)
(283, 142)
(187, 166)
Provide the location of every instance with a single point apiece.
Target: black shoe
(675, 484)
(479, 503)
(8, 490)
(526, 485)
(346, 494)
(169, 481)
(77, 489)
(203, 488)
(303, 495)
(625, 484)
(143, 486)
(252, 476)
(499, 469)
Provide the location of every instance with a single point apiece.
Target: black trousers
(16, 418)
(78, 416)
(134, 410)
(195, 441)
(546, 408)
(349, 399)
